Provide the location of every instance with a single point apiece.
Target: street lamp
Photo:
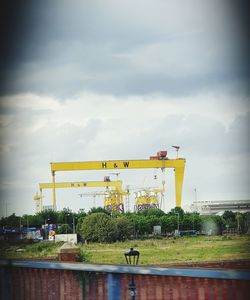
(195, 194)
(74, 229)
(66, 222)
(46, 224)
(132, 258)
(178, 222)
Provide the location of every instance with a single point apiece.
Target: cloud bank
(87, 81)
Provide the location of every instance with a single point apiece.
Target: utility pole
(6, 208)
(74, 230)
(195, 199)
(238, 223)
(21, 235)
(178, 220)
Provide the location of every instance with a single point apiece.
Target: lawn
(152, 251)
(187, 249)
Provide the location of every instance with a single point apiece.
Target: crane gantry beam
(78, 184)
(155, 162)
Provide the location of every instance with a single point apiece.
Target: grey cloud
(27, 148)
(180, 49)
(63, 49)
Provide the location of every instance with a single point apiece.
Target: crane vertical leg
(179, 174)
(54, 190)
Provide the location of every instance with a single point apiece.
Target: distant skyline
(84, 81)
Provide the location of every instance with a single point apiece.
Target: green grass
(152, 252)
(37, 250)
(188, 249)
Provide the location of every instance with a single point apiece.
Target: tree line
(99, 225)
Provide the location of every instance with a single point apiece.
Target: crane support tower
(148, 198)
(159, 161)
(117, 185)
(38, 202)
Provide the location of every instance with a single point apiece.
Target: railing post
(114, 286)
(5, 290)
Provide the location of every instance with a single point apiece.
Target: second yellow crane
(117, 185)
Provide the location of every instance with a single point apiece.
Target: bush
(98, 227)
(64, 228)
(83, 256)
(124, 228)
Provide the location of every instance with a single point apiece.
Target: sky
(88, 81)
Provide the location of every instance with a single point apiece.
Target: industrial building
(220, 206)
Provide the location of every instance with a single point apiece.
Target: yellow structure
(159, 161)
(113, 200)
(38, 202)
(117, 185)
(148, 198)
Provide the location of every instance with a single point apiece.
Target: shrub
(98, 227)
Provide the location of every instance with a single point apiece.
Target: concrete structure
(68, 252)
(69, 238)
(220, 206)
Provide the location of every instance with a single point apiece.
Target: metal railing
(55, 280)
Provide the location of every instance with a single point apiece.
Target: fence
(54, 280)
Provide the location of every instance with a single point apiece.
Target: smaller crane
(116, 185)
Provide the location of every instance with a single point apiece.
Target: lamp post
(66, 223)
(178, 222)
(46, 224)
(195, 199)
(74, 227)
(132, 258)
(193, 222)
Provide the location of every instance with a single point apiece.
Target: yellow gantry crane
(155, 162)
(117, 185)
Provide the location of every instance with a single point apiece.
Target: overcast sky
(104, 80)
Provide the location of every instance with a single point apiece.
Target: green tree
(143, 225)
(98, 227)
(12, 221)
(99, 209)
(191, 221)
(153, 212)
(124, 228)
(81, 214)
(228, 215)
(36, 220)
(229, 219)
(177, 210)
(48, 216)
(169, 222)
(212, 224)
(64, 228)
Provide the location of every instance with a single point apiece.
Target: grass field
(188, 249)
(152, 251)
